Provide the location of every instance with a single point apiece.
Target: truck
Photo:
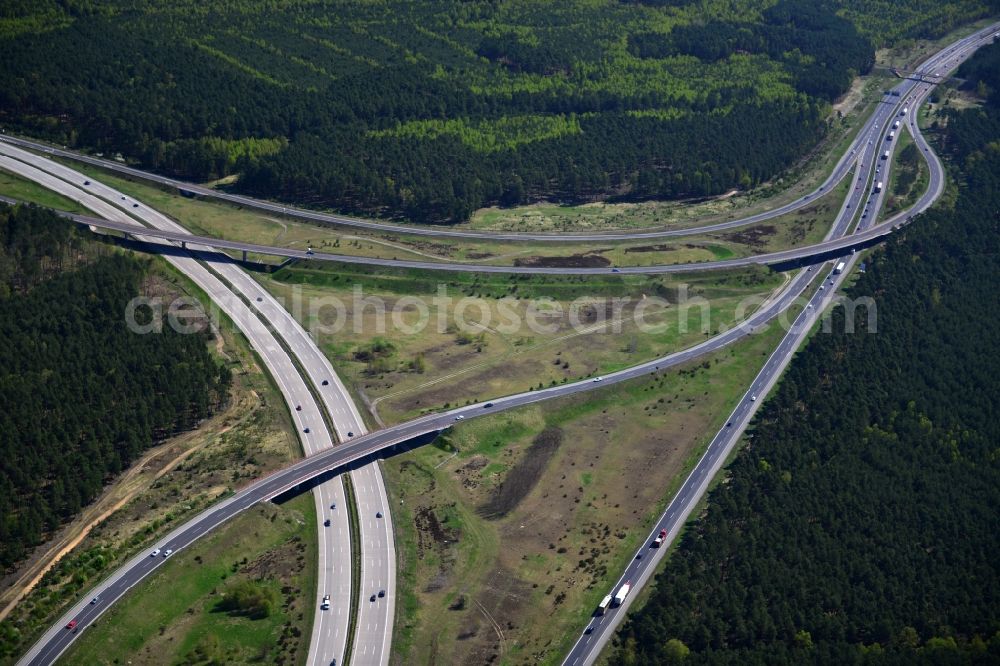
(885, 155)
(658, 541)
(892, 135)
(895, 125)
(603, 606)
(903, 112)
(878, 186)
(622, 593)
(839, 268)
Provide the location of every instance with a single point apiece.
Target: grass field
(524, 519)
(908, 178)
(14, 186)
(233, 223)
(178, 478)
(174, 616)
(442, 343)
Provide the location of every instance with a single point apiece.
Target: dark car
(350, 433)
(589, 629)
(326, 523)
(487, 405)
(135, 205)
(372, 599)
(298, 408)
(86, 182)
(381, 593)
(378, 514)
(326, 382)
(305, 430)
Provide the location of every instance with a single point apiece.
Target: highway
(601, 628)
(379, 443)
(334, 577)
(330, 628)
(289, 381)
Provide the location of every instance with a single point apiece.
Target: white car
(460, 417)
(598, 379)
(326, 602)
(168, 552)
(753, 398)
(156, 551)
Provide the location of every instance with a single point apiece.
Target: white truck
(603, 606)
(892, 135)
(895, 125)
(885, 155)
(903, 112)
(878, 186)
(839, 268)
(622, 593)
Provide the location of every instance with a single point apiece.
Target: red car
(71, 625)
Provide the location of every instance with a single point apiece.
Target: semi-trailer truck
(622, 593)
(603, 606)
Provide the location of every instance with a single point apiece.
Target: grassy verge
(12, 185)
(178, 614)
(909, 178)
(480, 336)
(352, 517)
(506, 570)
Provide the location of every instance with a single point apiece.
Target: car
(487, 405)
(589, 629)
(93, 602)
(350, 433)
(326, 523)
(333, 506)
(378, 514)
(615, 270)
(638, 556)
(123, 198)
(326, 382)
(259, 299)
(298, 408)
(821, 287)
(598, 379)
(86, 182)
(460, 417)
(309, 250)
(156, 551)
(753, 398)
(326, 602)
(381, 593)
(809, 305)
(729, 425)
(810, 268)
(168, 552)
(71, 625)
(372, 598)
(135, 205)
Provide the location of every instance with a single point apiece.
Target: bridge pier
(184, 244)
(244, 256)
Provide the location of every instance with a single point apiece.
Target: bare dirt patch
(588, 260)
(755, 237)
(524, 475)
